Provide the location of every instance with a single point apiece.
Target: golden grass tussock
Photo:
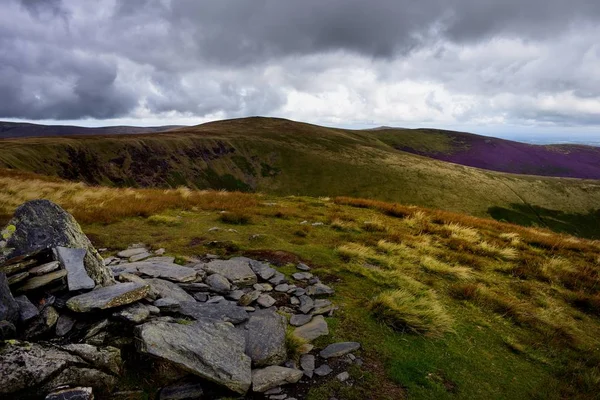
(344, 226)
(165, 220)
(492, 250)
(407, 311)
(434, 266)
(375, 225)
(465, 233)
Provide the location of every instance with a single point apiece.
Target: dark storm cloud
(68, 59)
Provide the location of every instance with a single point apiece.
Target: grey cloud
(106, 59)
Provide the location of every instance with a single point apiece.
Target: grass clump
(164, 220)
(235, 218)
(404, 311)
(434, 266)
(293, 344)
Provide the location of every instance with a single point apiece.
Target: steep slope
(290, 158)
(25, 130)
(572, 161)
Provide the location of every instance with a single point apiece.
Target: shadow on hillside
(578, 224)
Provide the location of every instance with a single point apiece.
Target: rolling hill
(564, 160)
(283, 157)
(25, 130)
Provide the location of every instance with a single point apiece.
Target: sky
(500, 67)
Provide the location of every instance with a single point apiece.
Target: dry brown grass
(103, 205)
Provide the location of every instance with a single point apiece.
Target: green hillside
(289, 158)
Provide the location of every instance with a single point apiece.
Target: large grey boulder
(265, 338)
(41, 224)
(224, 311)
(218, 283)
(116, 295)
(273, 376)
(72, 260)
(28, 369)
(212, 350)
(236, 270)
(9, 308)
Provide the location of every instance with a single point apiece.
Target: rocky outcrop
(29, 368)
(40, 225)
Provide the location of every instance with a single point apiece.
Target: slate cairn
(74, 325)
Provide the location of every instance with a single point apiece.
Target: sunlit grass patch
(462, 232)
(490, 249)
(438, 267)
(407, 311)
(165, 220)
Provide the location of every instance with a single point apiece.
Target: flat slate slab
(236, 270)
(170, 290)
(108, 297)
(274, 376)
(212, 350)
(312, 330)
(339, 349)
(169, 271)
(72, 260)
(42, 281)
(223, 311)
(265, 338)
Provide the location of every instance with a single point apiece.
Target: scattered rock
(319, 289)
(106, 358)
(218, 283)
(169, 271)
(7, 331)
(323, 370)
(108, 297)
(215, 299)
(249, 298)
(76, 393)
(9, 308)
(264, 271)
(131, 252)
(201, 297)
(170, 290)
(43, 323)
(284, 287)
(27, 310)
(312, 330)
(343, 377)
(265, 301)
(277, 279)
(300, 319)
(64, 325)
(210, 349)
(219, 311)
(135, 313)
(294, 301)
(307, 363)
(72, 261)
(39, 282)
(303, 267)
(140, 257)
(236, 270)
(302, 276)
(306, 304)
(182, 391)
(45, 268)
(265, 338)
(235, 295)
(339, 349)
(167, 304)
(273, 376)
(41, 224)
(263, 287)
(195, 287)
(322, 306)
(160, 252)
(14, 279)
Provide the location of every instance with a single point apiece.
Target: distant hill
(26, 130)
(561, 160)
(284, 157)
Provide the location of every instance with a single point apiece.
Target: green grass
(282, 157)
